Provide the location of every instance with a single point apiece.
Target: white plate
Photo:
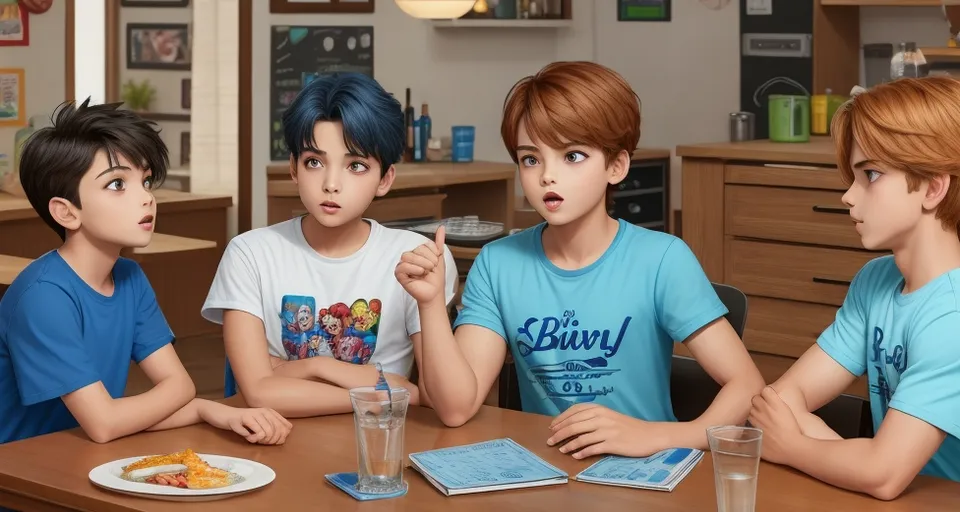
(255, 476)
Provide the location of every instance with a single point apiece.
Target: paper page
(658, 470)
(491, 463)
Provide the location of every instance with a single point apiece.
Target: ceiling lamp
(436, 9)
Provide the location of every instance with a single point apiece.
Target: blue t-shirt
(57, 335)
(909, 347)
(602, 334)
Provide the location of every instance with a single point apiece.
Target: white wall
(44, 64)
(922, 25)
(685, 71)
(166, 82)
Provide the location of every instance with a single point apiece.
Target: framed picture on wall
(643, 10)
(12, 102)
(184, 149)
(14, 24)
(158, 46)
(321, 6)
(185, 94)
(154, 3)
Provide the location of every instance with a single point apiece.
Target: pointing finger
(439, 238)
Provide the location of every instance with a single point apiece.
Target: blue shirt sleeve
(152, 331)
(479, 299)
(845, 339)
(46, 347)
(685, 300)
(928, 388)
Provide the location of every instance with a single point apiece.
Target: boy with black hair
(322, 284)
(71, 322)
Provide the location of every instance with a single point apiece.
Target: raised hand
(421, 271)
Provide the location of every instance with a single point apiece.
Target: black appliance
(771, 46)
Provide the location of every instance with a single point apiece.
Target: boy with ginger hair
(899, 150)
(589, 306)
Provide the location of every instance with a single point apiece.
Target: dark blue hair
(372, 118)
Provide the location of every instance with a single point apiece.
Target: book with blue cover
(661, 471)
(494, 465)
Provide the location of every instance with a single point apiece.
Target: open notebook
(661, 471)
(482, 467)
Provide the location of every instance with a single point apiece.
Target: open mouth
(552, 200)
(146, 222)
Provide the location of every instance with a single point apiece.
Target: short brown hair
(909, 124)
(582, 102)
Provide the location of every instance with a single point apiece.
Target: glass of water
(736, 462)
(379, 417)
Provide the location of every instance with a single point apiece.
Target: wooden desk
(23, 234)
(179, 271)
(768, 218)
(49, 473)
(431, 190)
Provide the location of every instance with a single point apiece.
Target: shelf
(495, 23)
(941, 54)
(890, 3)
(159, 116)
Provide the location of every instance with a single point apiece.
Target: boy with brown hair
(899, 150)
(590, 306)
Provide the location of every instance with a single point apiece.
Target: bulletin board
(301, 53)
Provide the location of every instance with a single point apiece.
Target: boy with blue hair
(309, 304)
(897, 148)
(72, 321)
(589, 306)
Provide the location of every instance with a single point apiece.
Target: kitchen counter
(768, 218)
(819, 151)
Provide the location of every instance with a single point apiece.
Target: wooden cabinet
(768, 218)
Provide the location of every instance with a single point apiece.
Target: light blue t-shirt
(57, 335)
(909, 347)
(602, 334)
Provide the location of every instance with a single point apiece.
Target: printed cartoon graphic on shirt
(568, 363)
(890, 362)
(347, 333)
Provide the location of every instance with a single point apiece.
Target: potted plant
(138, 97)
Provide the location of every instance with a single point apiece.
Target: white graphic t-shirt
(349, 308)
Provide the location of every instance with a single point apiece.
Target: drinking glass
(736, 461)
(379, 417)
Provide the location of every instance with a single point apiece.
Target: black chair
(692, 389)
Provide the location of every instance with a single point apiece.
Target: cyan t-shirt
(602, 334)
(57, 335)
(909, 347)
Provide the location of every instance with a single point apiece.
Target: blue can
(462, 143)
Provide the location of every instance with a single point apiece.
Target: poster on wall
(643, 10)
(12, 110)
(158, 46)
(299, 54)
(14, 24)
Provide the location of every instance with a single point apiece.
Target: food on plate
(181, 469)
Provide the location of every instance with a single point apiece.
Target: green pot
(789, 118)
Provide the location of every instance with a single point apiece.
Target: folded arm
(309, 387)
(721, 353)
(104, 418)
(812, 382)
(882, 466)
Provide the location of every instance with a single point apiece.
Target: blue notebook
(482, 467)
(661, 471)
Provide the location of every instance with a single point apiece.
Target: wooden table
(23, 234)
(52, 469)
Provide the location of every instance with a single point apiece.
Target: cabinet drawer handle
(831, 209)
(824, 280)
